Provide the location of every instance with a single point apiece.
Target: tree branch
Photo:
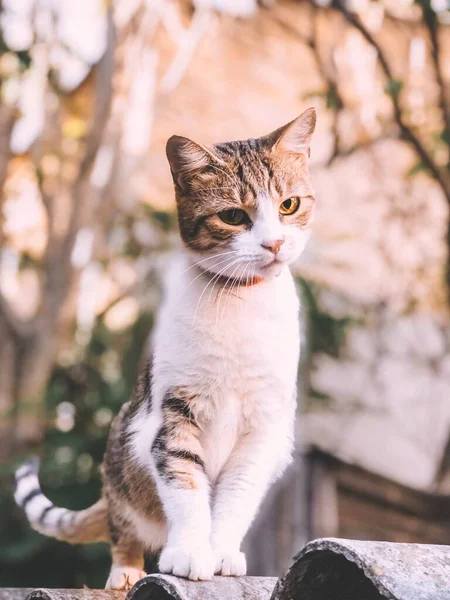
(59, 273)
(187, 43)
(333, 95)
(345, 152)
(406, 131)
(17, 327)
(431, 23)
(7, 117)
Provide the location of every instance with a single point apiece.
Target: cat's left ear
(295, 137)
(186, 159)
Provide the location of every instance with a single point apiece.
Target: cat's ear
(295, 137)
(186, 158)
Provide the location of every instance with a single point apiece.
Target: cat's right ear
(295, 137)
(186, 158)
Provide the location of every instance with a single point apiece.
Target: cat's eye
(234, 216)
(289, 206)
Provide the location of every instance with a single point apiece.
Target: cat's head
(245, 208)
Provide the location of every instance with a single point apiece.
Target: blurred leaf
(318, 399)
(27, 261)
(418, 167)
(327, 332)
(74, 127)
(333, 99)
(429, 13)
(24, 58)
(3, 47)
(445, 136)
(23, 55)
(39, 175)
(165, 219)
(442, 136)
(394, 87)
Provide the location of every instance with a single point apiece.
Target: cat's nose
(273, 245)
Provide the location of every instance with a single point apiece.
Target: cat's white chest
(237, 354)
(220, 434)
(243, 341)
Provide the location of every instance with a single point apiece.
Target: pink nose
(273, 245)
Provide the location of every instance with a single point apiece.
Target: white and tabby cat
(210, 425)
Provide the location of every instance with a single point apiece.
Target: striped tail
(73, 526)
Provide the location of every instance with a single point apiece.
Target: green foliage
(333, 99)
(92, 383)
(394, 87)
(318, 399)
(327, 333)
(445, 136)
(428, 12)
(89, 385)
(28, 261)
(418, 167)
(166, 220)
(23, 56)
(330, 95)
(96, 386)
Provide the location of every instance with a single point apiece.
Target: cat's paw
(123, 578)
(194, 563)
(230, 563)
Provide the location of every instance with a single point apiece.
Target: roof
(352, 569)
(370, 570)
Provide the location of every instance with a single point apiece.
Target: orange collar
(225, 281)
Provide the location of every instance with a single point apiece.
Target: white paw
(230, 563)
(194, 563)
(123, 578)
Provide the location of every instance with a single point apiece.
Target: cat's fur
(210, 425)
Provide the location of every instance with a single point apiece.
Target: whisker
(237, 282)
(233, 285)
(220, 291)
(213, 280)
(246, 274)
(223, 289)
(208, 258)
(216, 276)
(253, 272)
(247, 279)
(212, 289)
(202, 273)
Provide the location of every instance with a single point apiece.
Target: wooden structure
(349, 501)
(324, 496)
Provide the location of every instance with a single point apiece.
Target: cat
(210, 425)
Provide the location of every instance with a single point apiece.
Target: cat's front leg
(255, 462)
(184, 491)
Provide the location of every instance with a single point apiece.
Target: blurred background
(89, 93)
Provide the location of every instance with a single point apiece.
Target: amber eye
(289, 206)
(234, 216)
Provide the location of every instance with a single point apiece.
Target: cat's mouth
(272, 268)
(273, 262)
